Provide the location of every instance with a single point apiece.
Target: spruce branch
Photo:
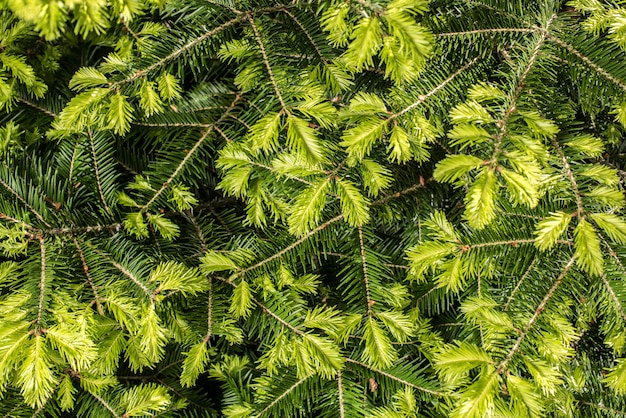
(540, 308)
(519, 283)
(124, 271)
(284, 394)
(97, 171)
(176, 53)
(94, 289)
(209, 312)
(597, 68)
(422, 98)
(342, 412)
(266, 62)
(42, 285)
(614, 412)
(24, 202)
(396, 378)
(570, 176)
(368, 296)
(188, 156)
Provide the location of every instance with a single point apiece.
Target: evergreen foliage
(380, 208)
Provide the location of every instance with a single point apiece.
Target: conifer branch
(503, 124)
(88, 276)
(113, 228)
(484, 31)
(187, 157)
(519, 283)
(342, 413)
(292, 245)
(266, 61)
(105, 404)
(42, 284)
(306, 33)
(209, 312)
(621, 84)
(401, 193)
(97, 171)
(36, 106)
(396, 378)
(570, 176)
(502, 366)
(125, 272)
(614, 412)
(174, 125)
(24, 202)
(614, 297)
(512, 243)
(368, 296)
(174, 54)
(282, 395)
(423, 97)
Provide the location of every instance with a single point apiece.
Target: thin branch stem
(88, 275)
(177, 52)
(105, 404)
(396, 378)
(422, 98)
(570, 176)
(519, 284)
(126, 273)
(266, 61)
(42, 282)
(24, 202)
(97, 171)
(209, 312)
(370, 302)
(587, 61)
(293, 245)
(502, 366)
(484, 31)
(282, 395)
(36, 106)
(306, 33)
(614, 297)
(342, 412)
(614, 412)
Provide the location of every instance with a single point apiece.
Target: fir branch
(368, 296)
(396, 378)
(176, 53)
(614, 297)
(97, 171)
(570, 176)
(282, 395)
(513, 243)
(503, 124)
(266, 61)
(292, 245)
(519, 283)
(36, 106)
(187, 157)
(24, 202)
(587, 61)
(306, 33)
(188, 214)
(484, 31)
(209, 312)
(125, 272)
(220, 220)
(502, 366)
(42, 285)
(76, 230)
(613, 411)
(174, 125)
(342, 412)
(88, 276)
(423, 97)
(105, 404)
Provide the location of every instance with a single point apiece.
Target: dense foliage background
(317, 209)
